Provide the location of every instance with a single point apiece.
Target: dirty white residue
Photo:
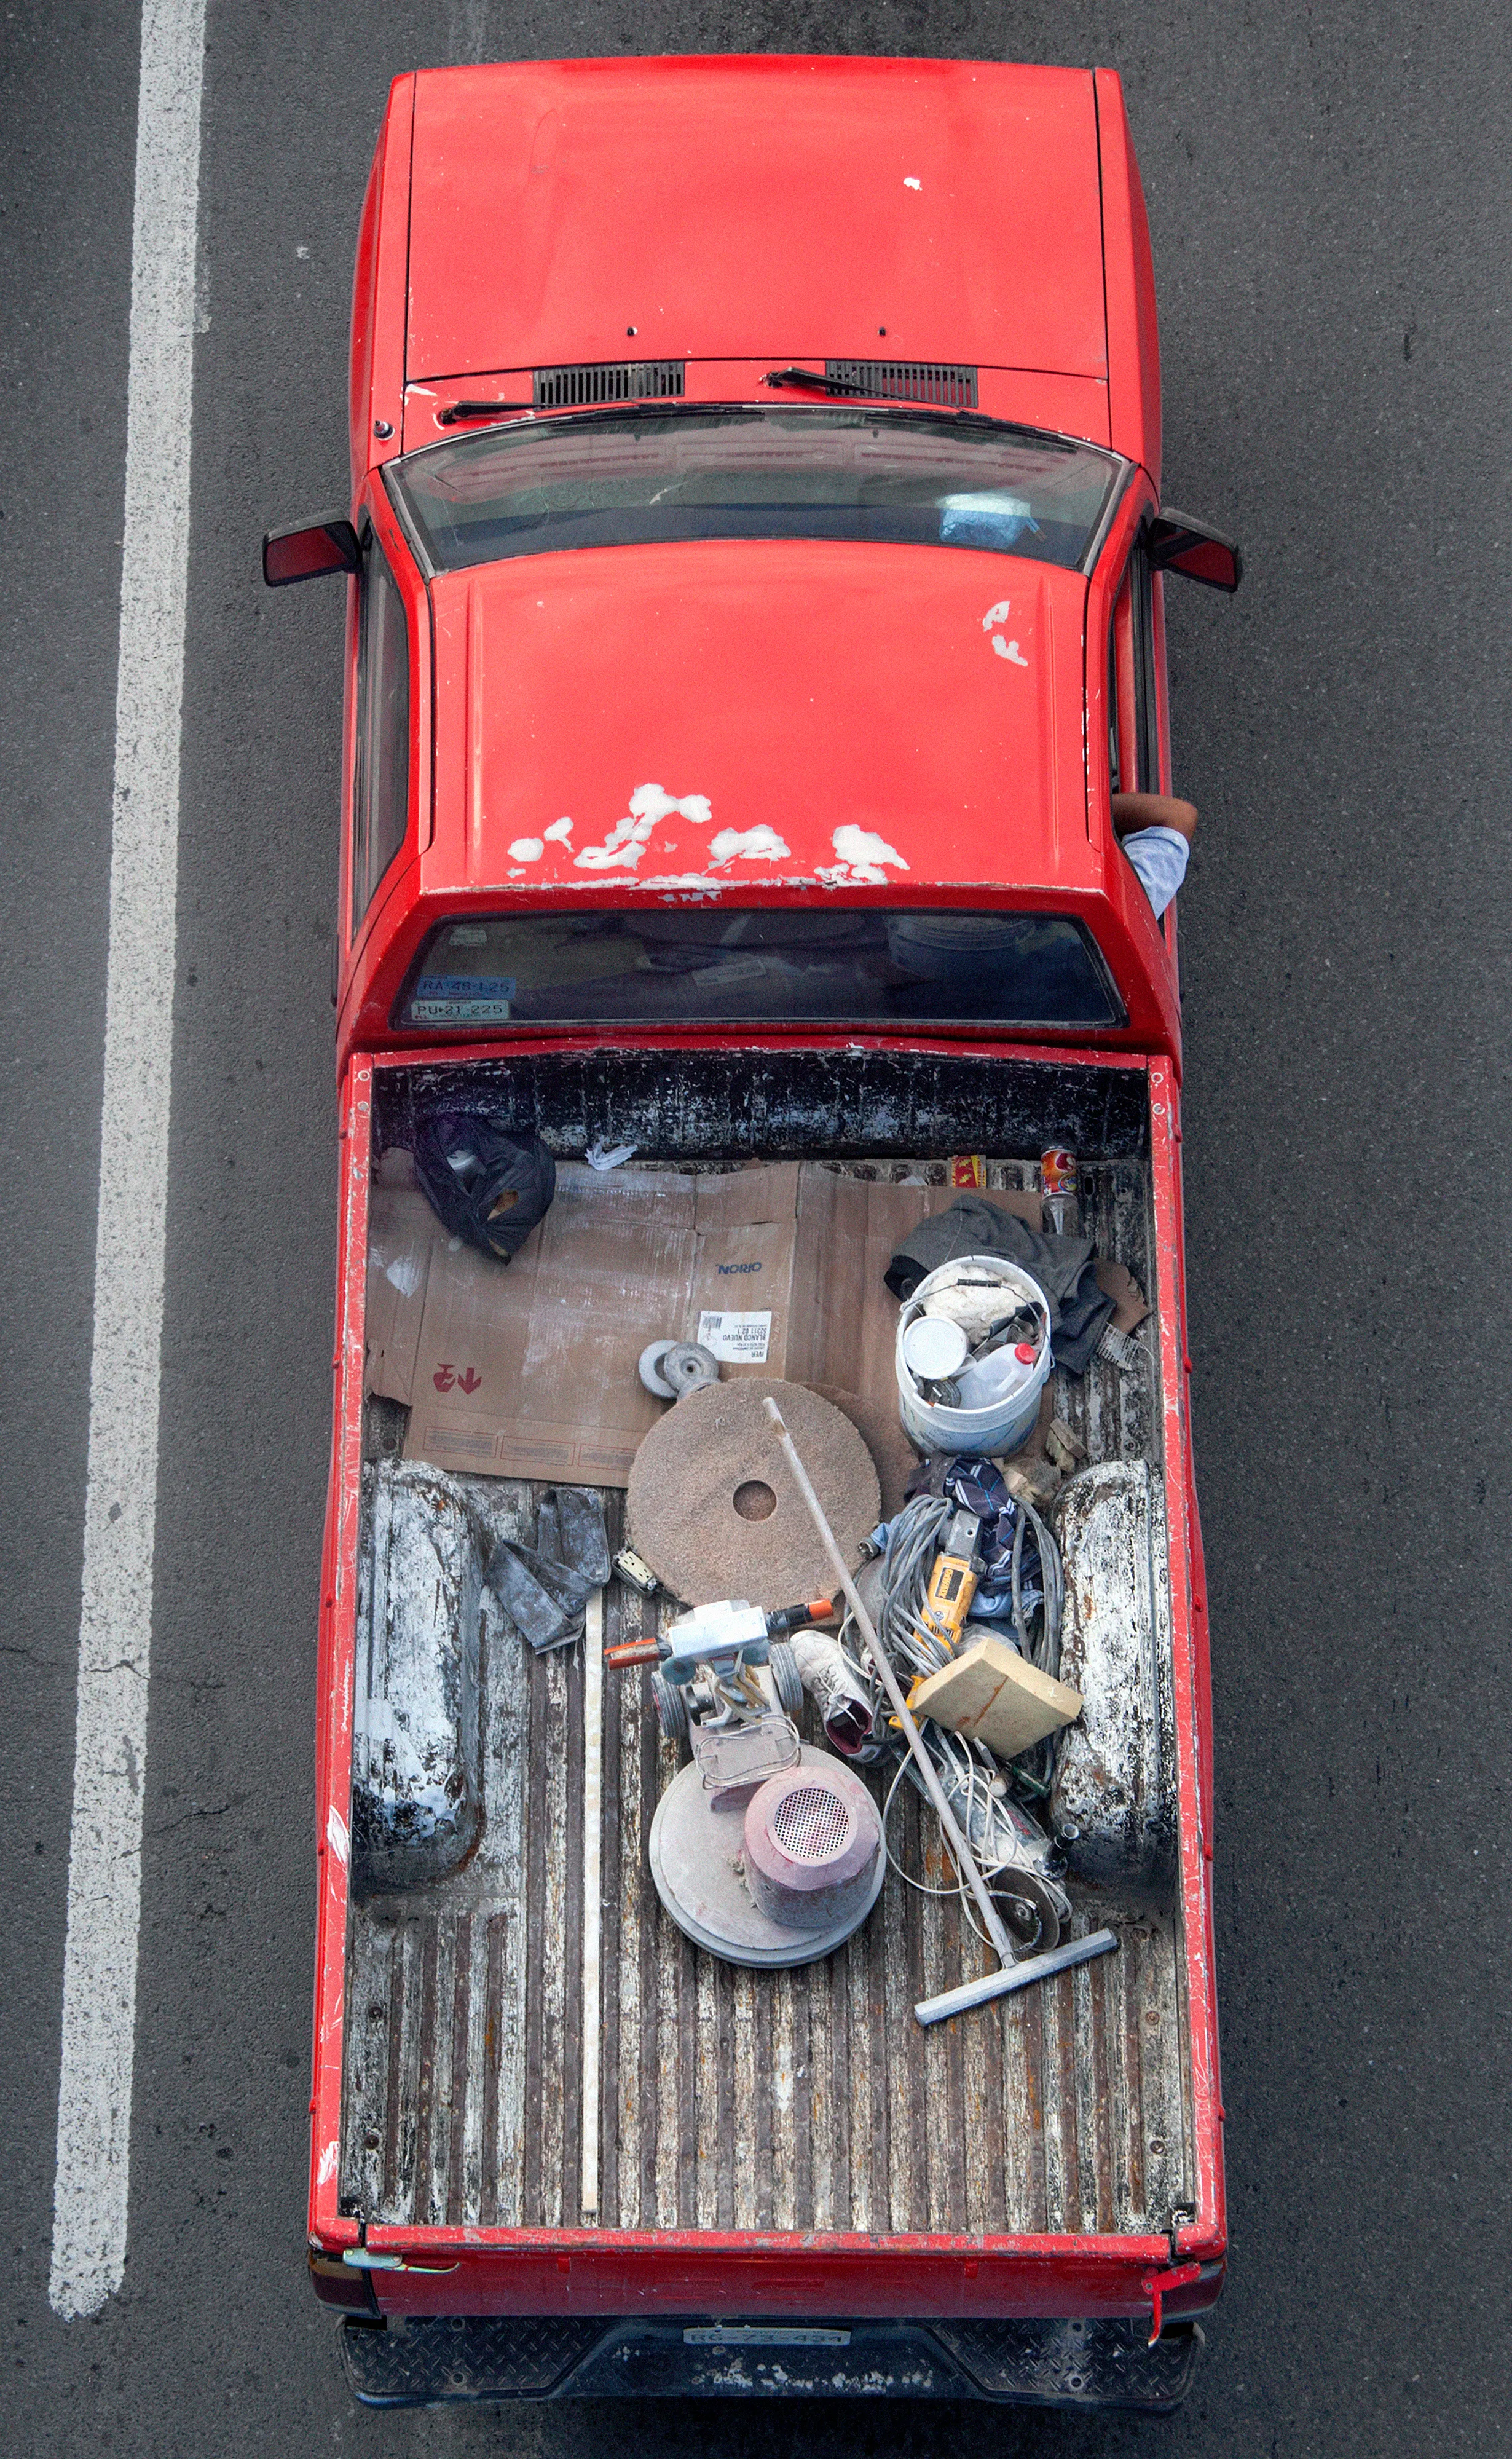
(697, 882)
(749, 845)
(327, 2166)
(1003, 647)
(558, 833)
(404, 1273)
(913, 183)
(626, 841)
(336, 1835)
(526, 850)
(860, 854)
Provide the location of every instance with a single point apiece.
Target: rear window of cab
(776, 964)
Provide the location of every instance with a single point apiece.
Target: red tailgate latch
(1158, 2285)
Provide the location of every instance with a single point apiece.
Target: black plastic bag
(485, 1184)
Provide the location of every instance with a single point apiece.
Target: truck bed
(802, 2100)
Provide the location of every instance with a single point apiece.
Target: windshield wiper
(810, 379)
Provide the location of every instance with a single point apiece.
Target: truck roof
(813, 713)
(721, 208)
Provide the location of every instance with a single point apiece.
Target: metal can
(1061, 1188)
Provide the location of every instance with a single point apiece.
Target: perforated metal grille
(811, 1823)
(909, 380)
(628, 380)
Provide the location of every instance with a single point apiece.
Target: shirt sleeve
(1159, 856)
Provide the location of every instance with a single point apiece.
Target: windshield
(641, 477)
(785, 963)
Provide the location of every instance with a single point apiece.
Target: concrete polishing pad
(712, 1505)
(881, 1429)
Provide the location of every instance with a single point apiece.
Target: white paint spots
(558, 833)
(336, 1835)
(747, 845)
(92, 2189)
(303, 253)
(860, 855)
(1002, 647)
(526, 850)
(914, 184)
(626, 842)
(406, 1273)
(327, 2165)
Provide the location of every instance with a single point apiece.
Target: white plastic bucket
(1007, 1423)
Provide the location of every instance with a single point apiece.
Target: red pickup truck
(756, 558)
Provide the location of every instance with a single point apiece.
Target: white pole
(593, 1827)
(965, 1859)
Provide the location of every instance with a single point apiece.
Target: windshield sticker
(860, 854)
(1003, 648)
(468, 935)
(736, 1339)
(465, 986)
(626, 841)
(459, 1011)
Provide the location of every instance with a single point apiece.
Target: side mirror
(1177, 543)
(306, 549)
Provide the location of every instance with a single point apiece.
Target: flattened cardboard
(530, 1370)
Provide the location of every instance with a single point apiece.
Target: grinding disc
(713, 1508)
(880, 1428)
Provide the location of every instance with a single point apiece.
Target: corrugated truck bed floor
(805, 2100)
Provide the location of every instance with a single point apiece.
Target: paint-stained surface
(821, 710)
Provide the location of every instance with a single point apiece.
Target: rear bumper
(1073, 2363)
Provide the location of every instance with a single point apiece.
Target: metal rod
(965, 1859)
(592, 1906)
(1020, 1976)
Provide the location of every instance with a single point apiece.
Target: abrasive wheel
(1029, 1911)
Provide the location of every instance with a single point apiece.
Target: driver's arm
(1131, 811)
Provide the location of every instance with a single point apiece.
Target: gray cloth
(544, 1599)
(1063, 1266)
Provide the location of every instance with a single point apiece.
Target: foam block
(991, 1696)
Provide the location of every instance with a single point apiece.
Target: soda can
(1061, 1188)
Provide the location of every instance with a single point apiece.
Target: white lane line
(104, 1900)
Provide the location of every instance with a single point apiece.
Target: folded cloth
(1063, 1266)
(544, 1599)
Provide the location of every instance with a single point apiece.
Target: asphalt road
(1332, 223)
